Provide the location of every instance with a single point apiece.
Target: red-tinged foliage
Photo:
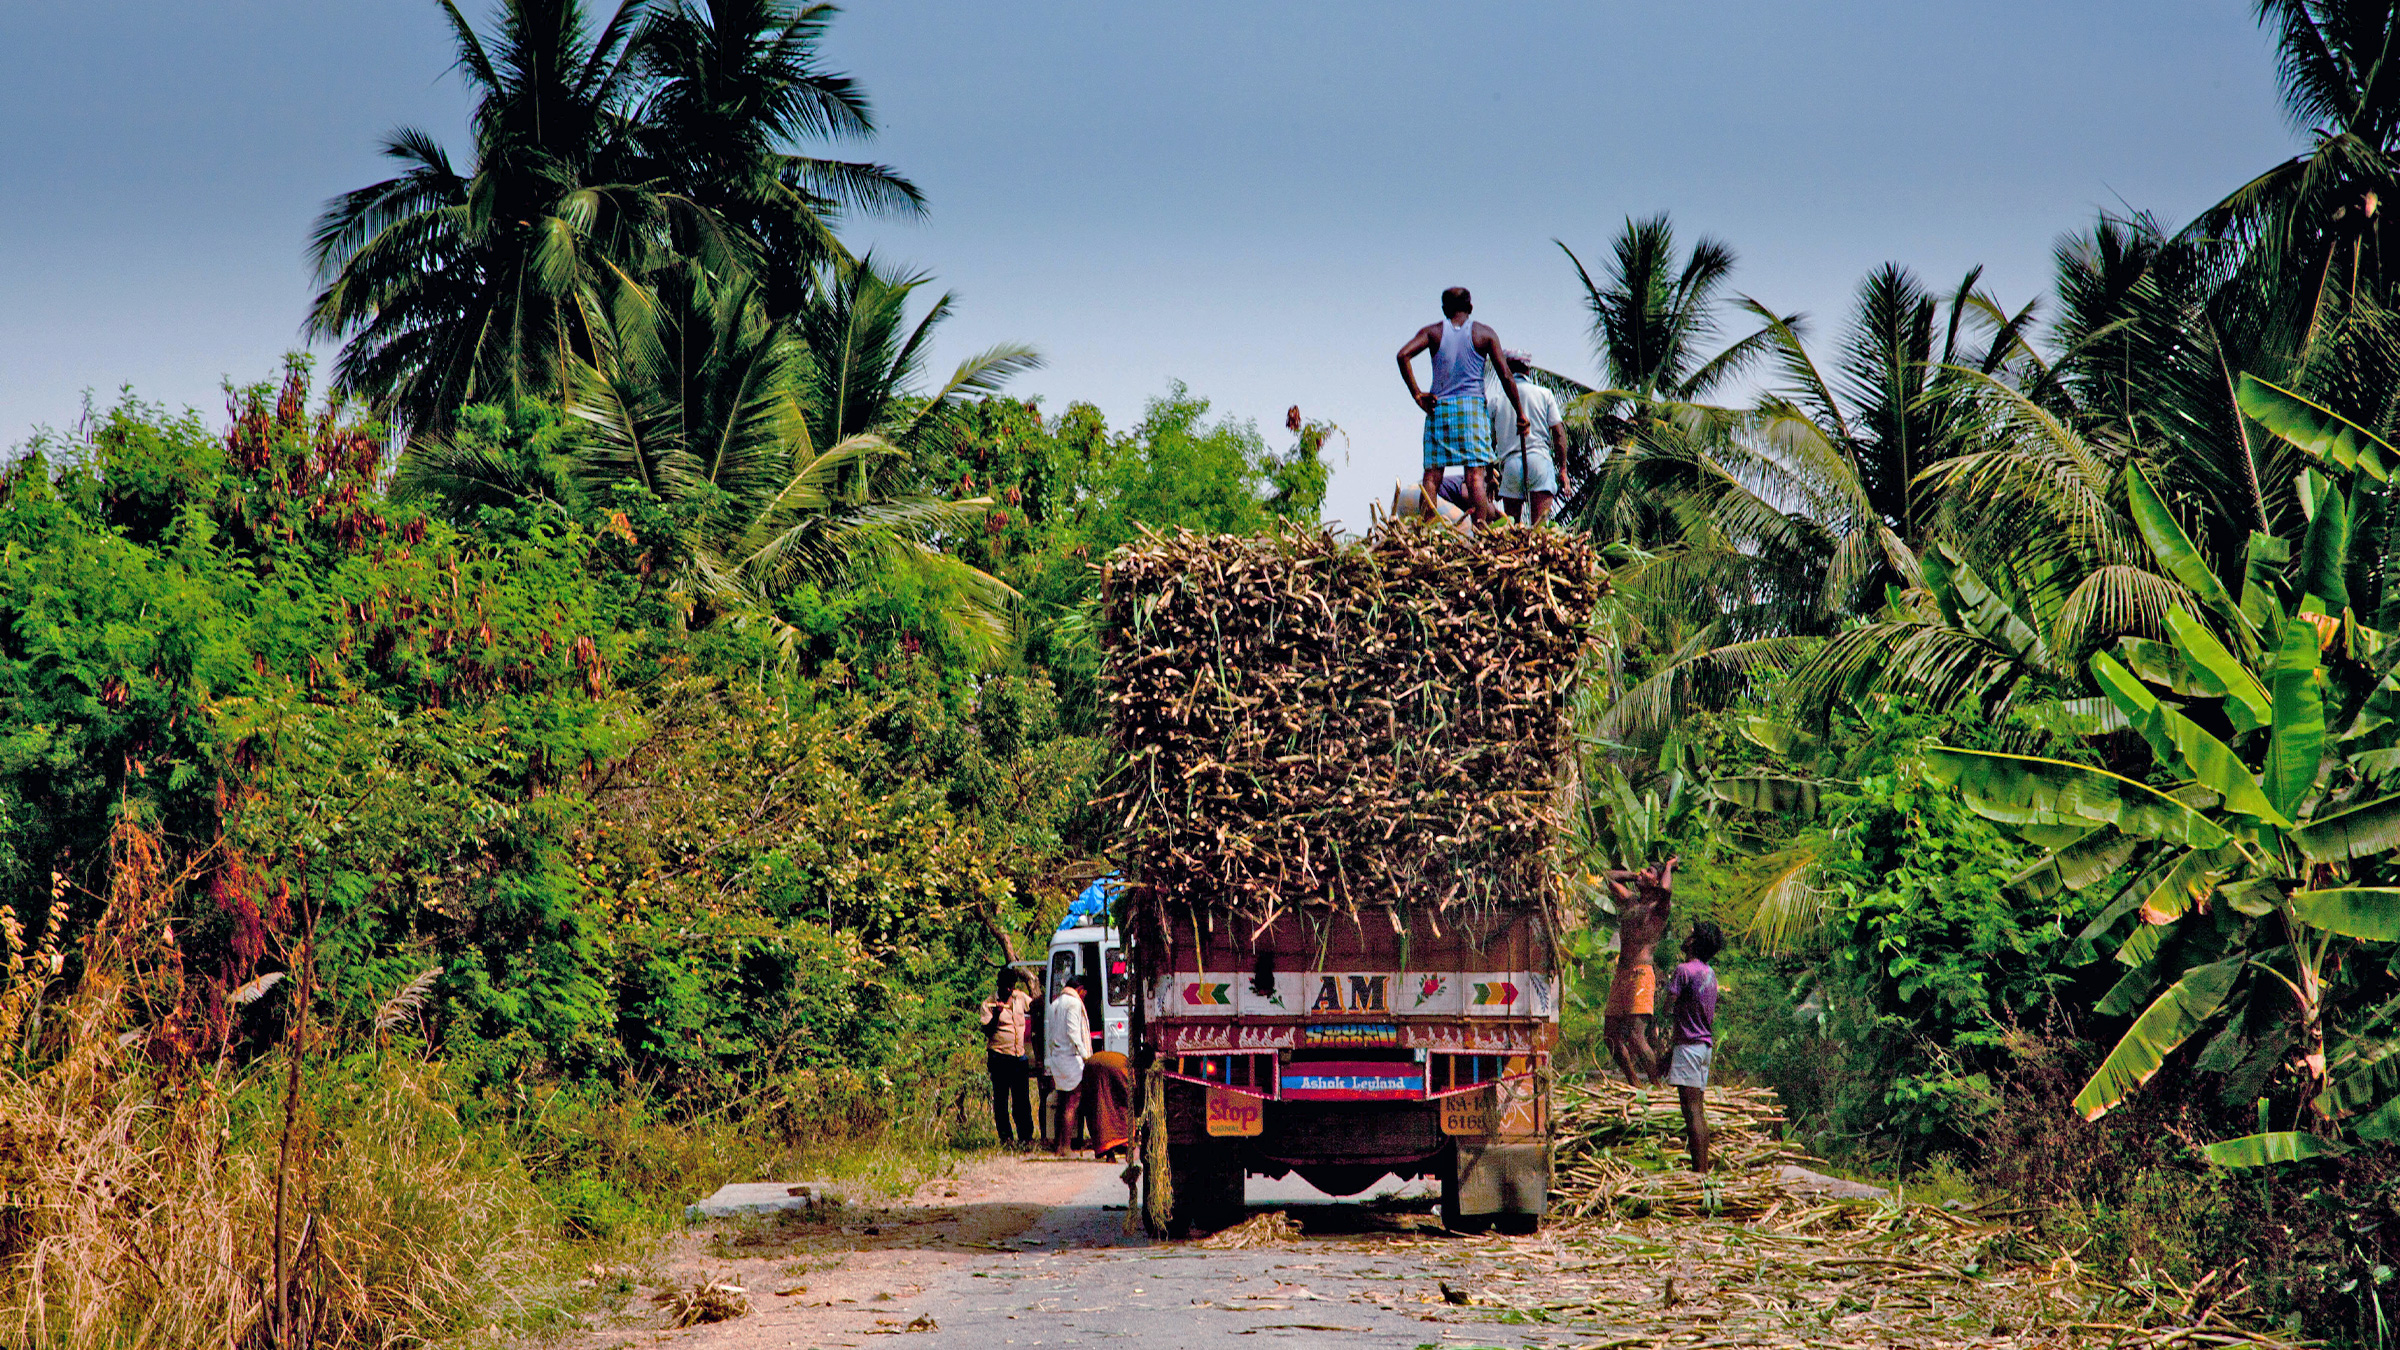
(315, 471)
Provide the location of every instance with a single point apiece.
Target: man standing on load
(1458, 430)
(1529, 463)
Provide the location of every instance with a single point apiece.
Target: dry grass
(139, 1182)
(144, 1218)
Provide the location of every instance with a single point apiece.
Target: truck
(1349, 1052)
(1345, 768)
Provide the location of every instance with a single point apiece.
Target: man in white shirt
(1069, 1038)
(1529, 465)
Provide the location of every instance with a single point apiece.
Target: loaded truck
(1344, 763)
(1353, 1052)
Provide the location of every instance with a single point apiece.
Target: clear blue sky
(1261, 200)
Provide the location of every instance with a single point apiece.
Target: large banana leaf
(2381, 1125)
(2162, 663)
(2370, 912)
(2177, 739)
(2141, 945)
(2025, 790)
(2265, 563)
(2194, 875)
(2317, 429)
(2219, 672)
(2084, 949)
(2360, 832)
(2298, 742)
(2325, 556)
(2182, 558)
(2131, 991)
(2362, 1076)
(1985, 612)
(2095, 856)
(2169, 1022)
(2258, 1150)
(1764, 792)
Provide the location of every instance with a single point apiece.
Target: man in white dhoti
(1069, 1036)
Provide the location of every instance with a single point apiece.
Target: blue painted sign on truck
(1353, 1082)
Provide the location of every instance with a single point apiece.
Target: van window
(1120, 978)
(1062, 969)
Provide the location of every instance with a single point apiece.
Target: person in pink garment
(1690, 1003)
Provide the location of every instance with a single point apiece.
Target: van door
(1091, 967)
(1117, 981)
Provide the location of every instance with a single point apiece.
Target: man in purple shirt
(1690, 1002)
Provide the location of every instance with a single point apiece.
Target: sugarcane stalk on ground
(1646, 1253)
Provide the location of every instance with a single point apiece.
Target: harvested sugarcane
(1313, 722)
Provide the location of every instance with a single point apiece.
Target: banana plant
(2266, 839)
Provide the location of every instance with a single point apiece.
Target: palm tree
(735, 82)
(1651, 319)
(1654, 314)
(605, 156)
(2299, 248)
(782, 456)
(1763, 528)
(2148, 367)
(867, 360)
(453, 287)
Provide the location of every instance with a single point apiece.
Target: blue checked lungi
(1458, 432)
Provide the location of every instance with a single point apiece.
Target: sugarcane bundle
(1309, 721)
(1619, 1150)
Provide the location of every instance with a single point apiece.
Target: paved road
(1076, 1279)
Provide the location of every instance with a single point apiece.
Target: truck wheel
(1207, 1188)
(1518, 1225)
(1451, 1218)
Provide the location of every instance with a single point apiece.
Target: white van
(1084, 944)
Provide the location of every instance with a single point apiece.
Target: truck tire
(1516, 1177)
(1451, 1218)
(1207, 1181)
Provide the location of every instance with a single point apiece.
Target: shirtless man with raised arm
(1643, 899)
(1458, 430)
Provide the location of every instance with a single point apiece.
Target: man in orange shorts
(1643, 899)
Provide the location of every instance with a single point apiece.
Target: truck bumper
(1503, 1179)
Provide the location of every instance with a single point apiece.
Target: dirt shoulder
(834, 1279)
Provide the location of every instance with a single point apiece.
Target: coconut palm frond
(1702, 672)
(1790, 904)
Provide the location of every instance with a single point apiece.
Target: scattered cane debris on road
(1647, 1255)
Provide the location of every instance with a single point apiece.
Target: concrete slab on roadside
(1801, 1181)
(762, 1197)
